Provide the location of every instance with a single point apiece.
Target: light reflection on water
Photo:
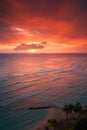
(28, 80)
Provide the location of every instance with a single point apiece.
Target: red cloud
(60, 21)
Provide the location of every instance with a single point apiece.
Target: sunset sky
(43, 26)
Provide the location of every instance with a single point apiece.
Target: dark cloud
(30, 46)
(5, 31)
(7, 8)
(41, 8)
(8, 33)
(43, 17)
(81, 5)
(59, 9)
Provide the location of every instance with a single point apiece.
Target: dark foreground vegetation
(76, 119)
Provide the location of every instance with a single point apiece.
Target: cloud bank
(24, 46)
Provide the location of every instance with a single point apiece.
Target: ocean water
(36, 80)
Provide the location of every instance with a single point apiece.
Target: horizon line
(45, 53)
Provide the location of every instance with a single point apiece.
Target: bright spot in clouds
(32, 51)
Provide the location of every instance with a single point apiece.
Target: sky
(43, 26)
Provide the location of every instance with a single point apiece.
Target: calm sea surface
(29, 80)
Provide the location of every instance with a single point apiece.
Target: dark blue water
(32, 80)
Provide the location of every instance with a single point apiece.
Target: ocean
(36, 80)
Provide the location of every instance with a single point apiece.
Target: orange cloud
(58, 21)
